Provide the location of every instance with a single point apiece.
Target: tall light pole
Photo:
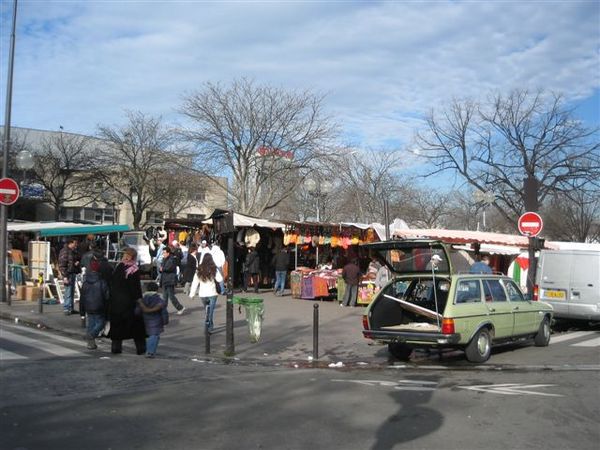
(487, 198)
(318, 189)
(5, 152)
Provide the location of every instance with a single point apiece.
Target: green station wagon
(432, 301)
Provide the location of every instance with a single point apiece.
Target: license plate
(554, 294)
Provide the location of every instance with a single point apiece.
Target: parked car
(569, 280)
(433, 302)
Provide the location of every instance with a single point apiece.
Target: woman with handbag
(205, 284)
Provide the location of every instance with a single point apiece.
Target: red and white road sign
(530, 224)
(9, 191)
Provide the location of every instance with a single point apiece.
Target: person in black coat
(168, 279)
(189, 269)
(125, 290)
(252, 269)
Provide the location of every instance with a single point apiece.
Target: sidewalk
(286, 338)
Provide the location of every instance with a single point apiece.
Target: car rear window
(468, 291)
(493, 290)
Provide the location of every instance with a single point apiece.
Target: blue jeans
(350, 295)
(152, 343)
(280, 280)
(69, 292)
(169, 293)
(95, 324)
(210, 303)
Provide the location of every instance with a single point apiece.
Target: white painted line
(56, 337)
(591, 343)
(510, 389)
(570, 336)
(5, 355)
(39, 344)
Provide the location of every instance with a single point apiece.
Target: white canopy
(241, 220)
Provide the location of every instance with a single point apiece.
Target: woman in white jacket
(204, 284)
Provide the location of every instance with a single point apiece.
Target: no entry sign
(9, 191)
(530, 224)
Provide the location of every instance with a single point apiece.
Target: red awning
(465, 237)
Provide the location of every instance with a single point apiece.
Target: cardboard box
(20, 294)
(32, 293)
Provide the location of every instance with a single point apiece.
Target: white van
(570, 281)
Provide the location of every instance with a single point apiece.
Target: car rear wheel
(542, 338)
(399, 351)
(480, 347)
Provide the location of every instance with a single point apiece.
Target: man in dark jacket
(168, 279)
(94, 300)
(189, 270)
(351, 276)
(68, 265)
(281, 261)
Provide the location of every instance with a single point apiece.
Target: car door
(499, 308)
(525, 313)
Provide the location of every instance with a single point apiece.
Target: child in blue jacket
(154, 309)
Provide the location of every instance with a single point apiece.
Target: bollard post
(41, 300)
(315, 331)
(206, 339)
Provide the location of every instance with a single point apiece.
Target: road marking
(590, 343)
(38, 344)
(47, 334)
(5, 355)
(570, 336)
(401, 385)
(510, 389)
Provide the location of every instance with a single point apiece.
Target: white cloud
(383, 64)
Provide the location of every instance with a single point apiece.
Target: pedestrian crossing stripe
(39, 344)
(571, 336)
(5, 355)
(591, 343)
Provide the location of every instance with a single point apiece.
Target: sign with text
(530, 224)
(9, 191)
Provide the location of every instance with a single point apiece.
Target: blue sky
(383, 65)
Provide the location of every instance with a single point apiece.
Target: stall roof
(241, 220)
(466, 237)
(65, 228)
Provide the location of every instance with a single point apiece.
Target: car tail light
(536, 293)
(365, 321)
(447, 326)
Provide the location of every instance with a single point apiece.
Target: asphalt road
(61, 396)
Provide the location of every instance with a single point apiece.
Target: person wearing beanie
(94, 300)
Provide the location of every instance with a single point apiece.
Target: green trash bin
(255, 311)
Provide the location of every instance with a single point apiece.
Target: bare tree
(574, 216)
(264, 136)
(178, 189)
(495, 146)
(426, 208)
(367, 177)
(135, 157)
(63, 166)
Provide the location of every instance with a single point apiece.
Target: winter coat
(124, 294)
(67, 259)
(169, 271)
(94, 294)
(253, 262)
(281, 261)
(351, 274)
(154, 321)
(190, 268)
(205, 288)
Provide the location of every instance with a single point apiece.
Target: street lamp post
(318, 189)
(487, 198)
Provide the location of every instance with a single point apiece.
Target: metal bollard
(315, 331)
(41, 301)
(206, 339)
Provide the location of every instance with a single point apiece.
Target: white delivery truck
(569, 280)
